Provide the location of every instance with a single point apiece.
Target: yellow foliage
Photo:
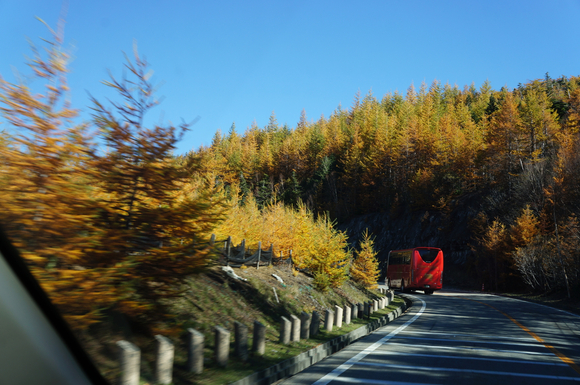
(365, 268)
(315, 244)
(526, 228)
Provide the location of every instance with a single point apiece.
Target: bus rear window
(428, 256)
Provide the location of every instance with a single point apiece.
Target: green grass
(275, 353)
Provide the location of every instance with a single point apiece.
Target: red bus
(420, 268)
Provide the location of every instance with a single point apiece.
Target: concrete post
(195, 344)
(375, 305)
(285, 330)
(354, 311)
(222, 345)
(305, 321)
(295, 328)
(338, 316)
(164, 362)
(329, 320)
(315, 324)
(241, 340)
(347, 313)
(259, 345)
(130, 359)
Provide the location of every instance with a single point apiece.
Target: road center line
(344, 367)
(561, 356)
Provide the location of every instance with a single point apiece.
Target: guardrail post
(329, 320)
(338, 316)
(241, 341)
(130, 357)
(347, 313)
(295, 328)
(305, 321)
(259, 344)
(315, 324)
(285, 330)
(164, 362)
(195, 344)
(222, 345)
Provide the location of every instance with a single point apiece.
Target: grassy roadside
(214, 298)
(275, 353)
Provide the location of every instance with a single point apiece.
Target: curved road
(455, 337)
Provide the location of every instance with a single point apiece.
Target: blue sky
(238, 61)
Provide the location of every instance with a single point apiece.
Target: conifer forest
(106, 215)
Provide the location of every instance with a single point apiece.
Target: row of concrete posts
(291, 330)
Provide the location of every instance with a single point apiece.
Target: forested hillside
(109, 219)
(507, 158)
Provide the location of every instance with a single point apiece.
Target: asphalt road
(455, 337)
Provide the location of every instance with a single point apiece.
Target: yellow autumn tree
(46, 188)
(316, 245)
(525, 229)
(365, 267)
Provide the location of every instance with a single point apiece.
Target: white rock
(229, 271)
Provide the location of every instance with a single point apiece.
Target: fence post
(195, 344)
(222, 345)
(130, 357)
(259, 254)
(259, 346)
(212, 240)
(241, 340)
(164, 363)
(271, 254)
(228, 250)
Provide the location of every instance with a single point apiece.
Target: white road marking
(398, 353)
(431, 347)
(537, 344)
(353, 380)
(344, 367)
(434, 369)
(481, 336)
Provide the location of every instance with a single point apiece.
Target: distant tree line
(514, 153)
